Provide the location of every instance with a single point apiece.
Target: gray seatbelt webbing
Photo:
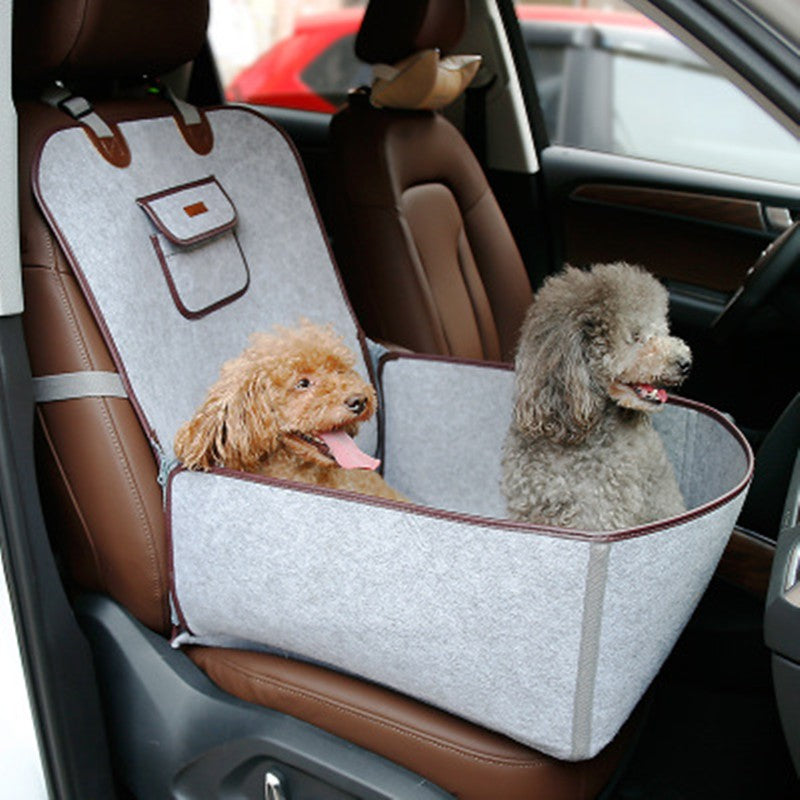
(72, 385)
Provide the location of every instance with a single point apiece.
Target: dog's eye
(303, 383)
(637, 337)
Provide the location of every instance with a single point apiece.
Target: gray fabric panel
(170, 360)
(654, 584)
(71, 385)
(708, 460)
(481, 621)
(444, 426)
(596, 578)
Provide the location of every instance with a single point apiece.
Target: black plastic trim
(175, 734)
(55, 654)
(766, 63)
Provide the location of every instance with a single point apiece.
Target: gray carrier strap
(72, 385)
(78, 108)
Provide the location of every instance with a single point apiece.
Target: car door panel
(693, 238)
(697, 229)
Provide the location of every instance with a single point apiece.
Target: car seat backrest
(427, 256)
(93, 319)
(96, 468)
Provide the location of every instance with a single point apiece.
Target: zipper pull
(166, 466)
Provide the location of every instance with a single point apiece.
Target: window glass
(547, 63)
(610, 79)
(607, 77)
(335, 71)
(291, 53)
(673, 112)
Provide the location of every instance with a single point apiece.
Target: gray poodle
(593, 358)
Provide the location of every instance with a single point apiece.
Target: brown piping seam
(59, 465)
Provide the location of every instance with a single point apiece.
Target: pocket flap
(192, 212)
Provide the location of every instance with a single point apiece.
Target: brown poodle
(287, 407)
(593, 361)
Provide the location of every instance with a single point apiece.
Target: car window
(612, 80)
(335, 71)
(288, 54)
(608, 79)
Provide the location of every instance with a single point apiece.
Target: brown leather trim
(711, 208)
(673, 246)
(747, 562)
(92, 38)
(90, 299)
(114, 149)
(199, 136)
(102, 549)
(469, 761)
(390, 31)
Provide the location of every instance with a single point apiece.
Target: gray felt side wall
(548, 636)
(443, 422)
(477, 620)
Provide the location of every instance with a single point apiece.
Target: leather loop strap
(106, 137)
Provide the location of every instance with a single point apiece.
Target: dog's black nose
(685, 367)
(356, 403)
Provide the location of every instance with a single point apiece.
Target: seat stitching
(68, 488)
(157, 586)
(404, 731)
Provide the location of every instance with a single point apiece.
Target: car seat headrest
(392, 31)
(74, 39)
(422, 81)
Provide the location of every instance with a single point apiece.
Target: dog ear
(554, 393)
(235, 427)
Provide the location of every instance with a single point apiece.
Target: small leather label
(195, 209)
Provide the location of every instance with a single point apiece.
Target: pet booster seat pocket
(196, 244)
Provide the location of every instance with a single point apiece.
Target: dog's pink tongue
(346, 451)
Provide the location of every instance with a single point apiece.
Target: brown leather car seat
(427, 257)
(97, 471)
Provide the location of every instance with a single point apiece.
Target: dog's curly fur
(581, 451)
(269, 405)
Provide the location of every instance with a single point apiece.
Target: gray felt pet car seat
(98, 478)
(548, 636)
